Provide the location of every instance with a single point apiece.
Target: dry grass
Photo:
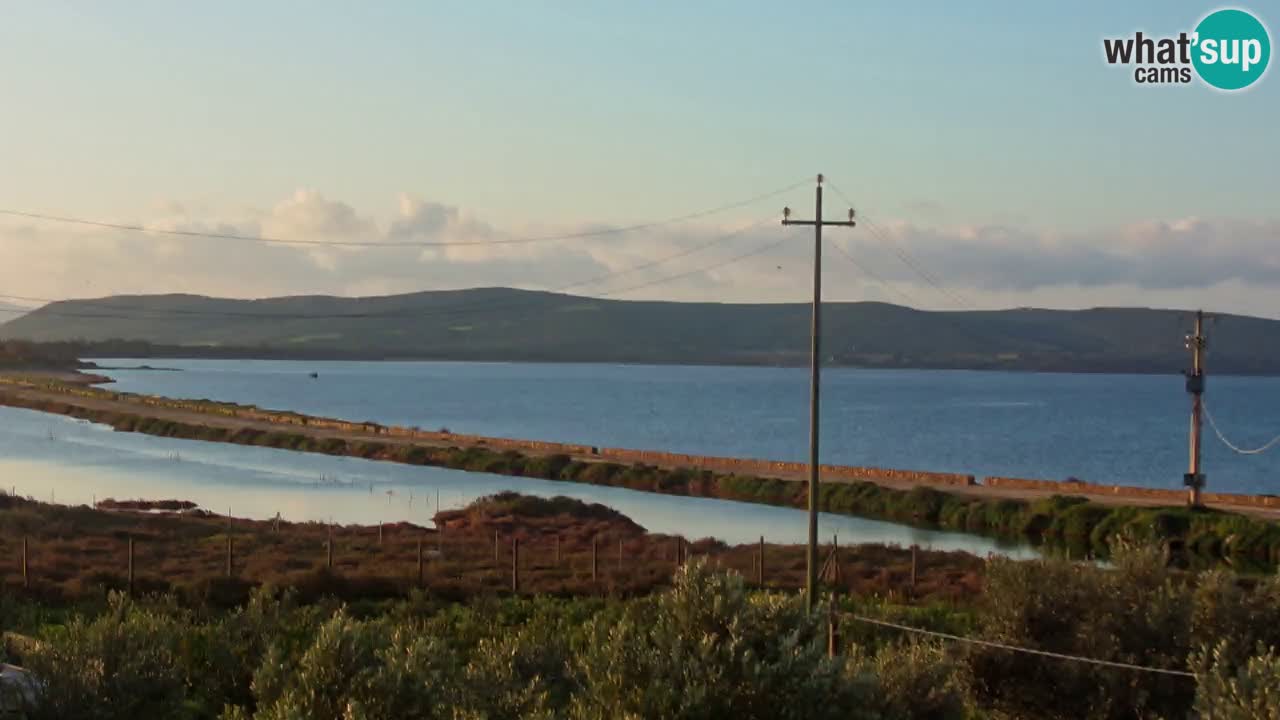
(79, 552)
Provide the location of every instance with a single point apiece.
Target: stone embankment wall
(774, 467)
(1161, 494)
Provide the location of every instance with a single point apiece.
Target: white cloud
(1223, 264)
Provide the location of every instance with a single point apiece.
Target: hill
(515, 325)
(9, 311)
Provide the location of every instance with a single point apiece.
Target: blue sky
(941, 120)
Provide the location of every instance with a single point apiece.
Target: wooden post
(230, 557)
(619, 553)
(131, 566)
(833, 630)
(26, 576)
(595, 564)
(329, 549)
(915, 564)
(760, 566)
(419, 562)
(495, 546)
(557, 550)
(515, 564)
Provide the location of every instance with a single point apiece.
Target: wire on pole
(1232, 446)
(1024, 650)
(402, 244)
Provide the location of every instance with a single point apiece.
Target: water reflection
(70, 461)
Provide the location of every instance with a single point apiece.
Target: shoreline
(248, 416)
(798, 365)
(1038, 511)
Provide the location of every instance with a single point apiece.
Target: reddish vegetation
(530, 518)
(166, 505)
(78, 551)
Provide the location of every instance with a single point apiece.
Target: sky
(993, 157)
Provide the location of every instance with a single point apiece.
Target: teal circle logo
(1232, 49)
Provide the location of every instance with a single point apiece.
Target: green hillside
(505, 324)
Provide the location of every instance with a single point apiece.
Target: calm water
(1125, 429)
(57, 458)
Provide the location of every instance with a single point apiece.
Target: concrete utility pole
(1194, 479)
(815, 370)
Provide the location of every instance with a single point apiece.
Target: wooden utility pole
(26, 567)
(815, 371)
(1194, 479)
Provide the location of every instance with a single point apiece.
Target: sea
(1127, 429)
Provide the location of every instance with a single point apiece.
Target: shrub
(913, 681)
(122, 665)
(1136, 612)
(1233, 691)
(707, 648)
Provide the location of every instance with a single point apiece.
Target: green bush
(709, 649)
(1230, 690)
(122, 665)
(912, 681)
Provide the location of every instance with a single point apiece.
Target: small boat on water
(315, 375)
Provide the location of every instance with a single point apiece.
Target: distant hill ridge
(518, 325)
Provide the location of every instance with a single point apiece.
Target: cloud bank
(1221, 263)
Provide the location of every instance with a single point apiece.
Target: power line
(120, 311)
(898, 250)
(1235, 448)
(906, 258)
(1024, 650)
(750, 253)
(402, 244)
(868, 272)
(111, 312)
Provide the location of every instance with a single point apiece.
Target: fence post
(619, 553)
(419, 561)
(495, 546)
(915, 564)
(130, 566)
(379, 533)
(595, 565)
(760, 566)
(329, 549)
(26, 577)
(230, 557)
(833, 630)
(557, 550)
(515, 564)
